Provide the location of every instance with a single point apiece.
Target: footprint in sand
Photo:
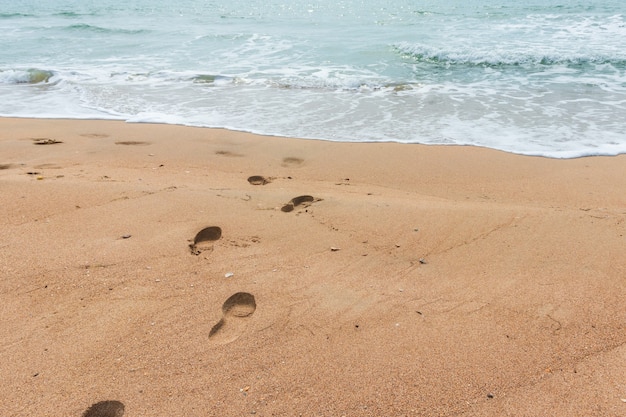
(291, 161)
(258, 180)
(235, 312)
(204, 239)
(132, 142)
(95, 135)
(45, 141)
(297, 201)
(105, 409)
(228, 153)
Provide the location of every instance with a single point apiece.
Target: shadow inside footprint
(296, 201)
(45, 141)
(228, 153)
(235, 310)
(258, 180)
(202, 241)
(132, 142)
(105, 409)
(292, 161)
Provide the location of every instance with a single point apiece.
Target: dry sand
(414, 281)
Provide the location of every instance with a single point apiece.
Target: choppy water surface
(544, 77)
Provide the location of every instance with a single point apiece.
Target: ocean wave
(98, 29)
(12, 15)
(303, 78)
(210, 79)
(72, 14)
(349, 85)
(29, 76)
(502, 58)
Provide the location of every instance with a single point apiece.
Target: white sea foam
(535, 78)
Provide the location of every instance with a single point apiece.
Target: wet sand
(177, 271)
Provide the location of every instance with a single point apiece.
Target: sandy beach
(178, 271)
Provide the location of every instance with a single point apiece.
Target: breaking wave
(503, 58)
(29, 76)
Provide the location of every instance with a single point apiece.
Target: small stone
(229, 274)
(126, 236)
(334, 249)
(423, 261)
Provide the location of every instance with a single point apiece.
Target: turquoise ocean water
(541, 77)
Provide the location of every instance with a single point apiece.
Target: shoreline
(416, 280)
(562, 155)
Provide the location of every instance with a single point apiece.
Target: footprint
(132, 142)
(228, 153)
(204, 238)
(296, 201)
(105, 409)
(45, 141)
(235, 312)
(258, 180)
(95, 135)
(292, 161)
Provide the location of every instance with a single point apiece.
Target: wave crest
(29, 76)
(98, 29)
(501, 57)
(12, 15)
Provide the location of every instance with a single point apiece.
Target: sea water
(540, 77)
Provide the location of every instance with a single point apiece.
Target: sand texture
(154, 270)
